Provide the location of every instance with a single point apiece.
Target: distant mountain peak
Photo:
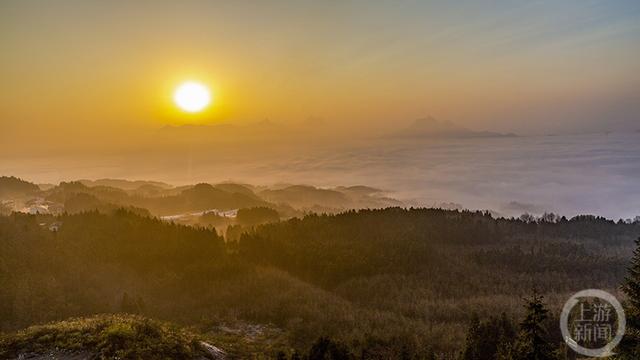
(432, 124)
(429, 127)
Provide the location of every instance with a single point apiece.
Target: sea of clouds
(573, 174)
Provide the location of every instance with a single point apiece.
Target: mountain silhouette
(429, 127)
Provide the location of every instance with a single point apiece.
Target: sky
(109, 67)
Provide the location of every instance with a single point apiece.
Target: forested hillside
(386, 281)
(160, 199)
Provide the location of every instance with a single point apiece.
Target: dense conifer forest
(389, 283)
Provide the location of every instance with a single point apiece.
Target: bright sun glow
(192, 96)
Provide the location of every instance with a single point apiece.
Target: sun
(192, 96)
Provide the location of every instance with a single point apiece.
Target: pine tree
(486, 339)
(327, 349)
(630, 345)
(532, 343)
(470, 351)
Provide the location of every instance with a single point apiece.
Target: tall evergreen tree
(532, 342)
(630, 345)
(327, 349)
(471, 351)
(485, 339)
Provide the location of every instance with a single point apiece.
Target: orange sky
(79, 67)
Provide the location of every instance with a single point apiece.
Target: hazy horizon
(570, 175)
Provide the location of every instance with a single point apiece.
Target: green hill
(13, 186)
(106, 337)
